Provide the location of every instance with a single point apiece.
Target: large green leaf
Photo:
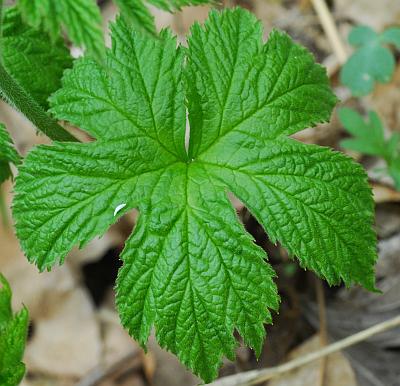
(190, 269)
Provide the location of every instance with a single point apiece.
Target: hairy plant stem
(18, 98)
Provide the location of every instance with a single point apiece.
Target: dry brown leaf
(116, 341)
(30, 287)
(22, 131)
(337, 371)
(169, 371)
(376, 14)
(66, 340)
(149, 366)
(385, 100)
(384, 193)
(46, 381)
(387, 220)
(94, 250)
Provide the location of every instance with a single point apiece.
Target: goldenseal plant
(189, 267)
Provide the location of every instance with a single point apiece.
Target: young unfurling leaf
(189, 267)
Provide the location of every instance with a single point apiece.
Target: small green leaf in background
(13, 334)
(368, 138)
(372, 61)
(394, 168)
(391, 36)
(81, 19)
(189, 268)
(32, 58)
(7, 154)
(137, 14)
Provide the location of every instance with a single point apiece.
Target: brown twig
(99, 374)
(331, 31)
(323, 336)
(257, 376)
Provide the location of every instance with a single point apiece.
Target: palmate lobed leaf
(371, 61)
(189, 267)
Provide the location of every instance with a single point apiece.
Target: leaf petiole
(17, 97)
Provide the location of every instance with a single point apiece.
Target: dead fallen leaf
(116, 341)
(385, 101)
(169, 371)
(337, 371)
(30, 287)
(45, 381)
(376, 14)
(66, 339)
(94, 250)
(22, 131)
(387, 220)
(384, 193)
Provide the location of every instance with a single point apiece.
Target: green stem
(1, 31)
(3, 210)
(17, 97)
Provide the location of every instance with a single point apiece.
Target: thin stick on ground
(323, 335)
(99, 374)
(255, 377)
(331, 31)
